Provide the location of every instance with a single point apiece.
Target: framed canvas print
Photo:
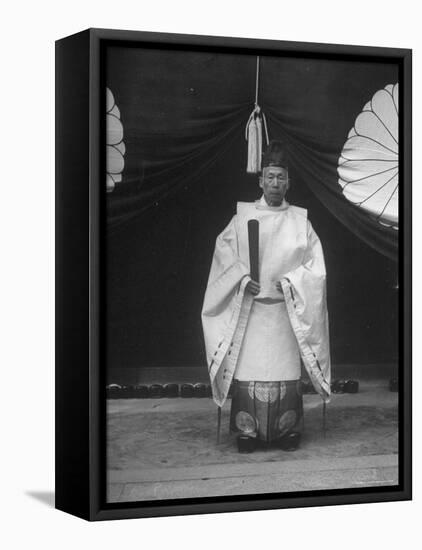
(233, 274)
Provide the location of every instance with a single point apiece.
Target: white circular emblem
(245, 422)
(266, 392)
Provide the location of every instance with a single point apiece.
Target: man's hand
(253, 287)
(279, 288)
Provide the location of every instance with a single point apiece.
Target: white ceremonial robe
(236, 340)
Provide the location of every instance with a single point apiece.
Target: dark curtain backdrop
(184, 116)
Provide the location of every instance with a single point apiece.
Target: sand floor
(166, 448)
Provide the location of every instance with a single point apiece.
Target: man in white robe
(257, 333)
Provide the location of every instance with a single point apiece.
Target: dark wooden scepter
(253, 235)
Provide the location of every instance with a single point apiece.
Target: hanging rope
(253, 133)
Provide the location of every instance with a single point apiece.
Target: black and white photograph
(252, 272)
(210, 275)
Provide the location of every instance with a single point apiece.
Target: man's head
(274, 180)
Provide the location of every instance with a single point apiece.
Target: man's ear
(261, 182)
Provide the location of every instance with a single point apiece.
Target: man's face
(274, 182)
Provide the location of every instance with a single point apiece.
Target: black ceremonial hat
(275, 155)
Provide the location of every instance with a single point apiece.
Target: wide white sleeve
(304, 290)
(224, 301)
(227, 270)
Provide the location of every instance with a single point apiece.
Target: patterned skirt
(266, 410)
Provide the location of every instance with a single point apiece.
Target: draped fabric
(184, 117)
(183, 111)
(266, 410)
(289, 252)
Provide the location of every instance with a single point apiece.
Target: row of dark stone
(338, 386)
(116, 391)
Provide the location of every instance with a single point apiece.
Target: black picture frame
(80, 381)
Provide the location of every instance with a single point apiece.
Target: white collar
(261, 204)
